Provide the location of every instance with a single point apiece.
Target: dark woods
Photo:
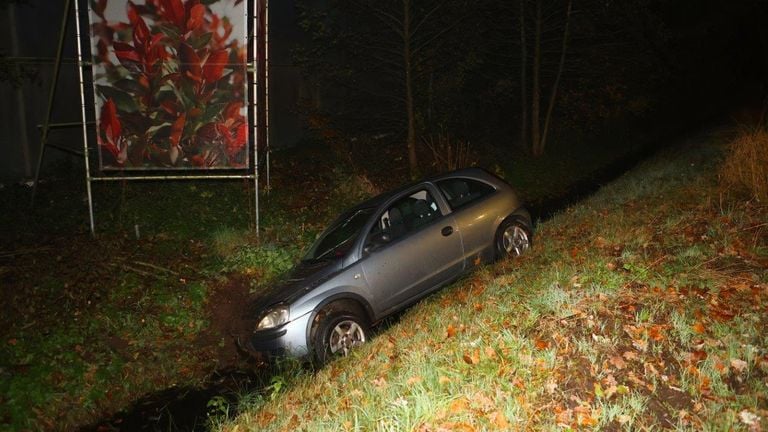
(526, 75)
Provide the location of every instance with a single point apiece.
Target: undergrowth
(744, 168)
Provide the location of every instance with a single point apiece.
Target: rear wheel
(513, 238)
(337, 333)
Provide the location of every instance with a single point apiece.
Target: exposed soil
(229, 320)
(187, 408)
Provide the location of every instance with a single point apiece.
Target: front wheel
(338, 332)
(513, 238)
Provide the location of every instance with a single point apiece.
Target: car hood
(303, 277)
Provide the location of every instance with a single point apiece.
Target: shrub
(449, 154)
(746, 166)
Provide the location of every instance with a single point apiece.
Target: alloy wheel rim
(515, 240)
(346, 335)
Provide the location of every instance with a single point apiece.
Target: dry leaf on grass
(699, 328)
(739, 365)
(499, 420)
(618, 362)
(472, 358)
(450, 331)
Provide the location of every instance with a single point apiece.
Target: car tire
(513, 238)
(338, 332)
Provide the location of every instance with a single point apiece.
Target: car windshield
(339, 238)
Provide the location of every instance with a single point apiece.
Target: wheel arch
(520, 214)
(336, 302)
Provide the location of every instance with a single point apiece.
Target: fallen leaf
(587, 421)
(541, 344)
(720, 367)
(748, 418)
(705, 385)
(265, 418)
(450, 331)
(490, 352)
(696, 356)
(640, 344)
(443, 379)
(629, 355)
(473, 358)
(500, 420)
(739, 365)
(650, 369)
(699, 328)
(563, 416)
(550, 386)
(600, 242)
(482, 403)
(456, 427)
(723, 314)
(655, 332)
(584, 416)
(293, 423)
(379, 382)
(458, 406)
(413, 380)
(618, 362)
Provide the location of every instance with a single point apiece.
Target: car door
(468, 200)
(412, 248)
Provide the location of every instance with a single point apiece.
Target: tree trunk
(523, 79)
(553, 95)
(536, 90)
(407, 62)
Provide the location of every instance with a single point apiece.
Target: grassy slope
(643, 307)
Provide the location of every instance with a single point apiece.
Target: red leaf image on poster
(170, 83)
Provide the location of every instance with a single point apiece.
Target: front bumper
(289, 339)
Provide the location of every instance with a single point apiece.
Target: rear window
(460, 191)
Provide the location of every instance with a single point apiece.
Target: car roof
(474, 173)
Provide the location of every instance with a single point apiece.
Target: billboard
(170, 84)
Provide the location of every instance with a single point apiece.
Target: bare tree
(407, 35)
(539, 146)
(539, 129)
(536, 90)
(523, 78)
(387, 52)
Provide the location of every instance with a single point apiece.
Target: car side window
(406, 215)
(460, 191)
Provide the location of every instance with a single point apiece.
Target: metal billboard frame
(256, 36)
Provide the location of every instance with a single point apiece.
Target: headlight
(274, 317)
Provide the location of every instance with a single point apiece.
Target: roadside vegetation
(642, 308)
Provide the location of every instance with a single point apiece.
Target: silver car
(385, 254)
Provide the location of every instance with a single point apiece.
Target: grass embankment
(644, 307)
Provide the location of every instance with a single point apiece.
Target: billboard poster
(170, 84)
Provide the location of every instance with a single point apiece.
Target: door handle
(446, 231)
